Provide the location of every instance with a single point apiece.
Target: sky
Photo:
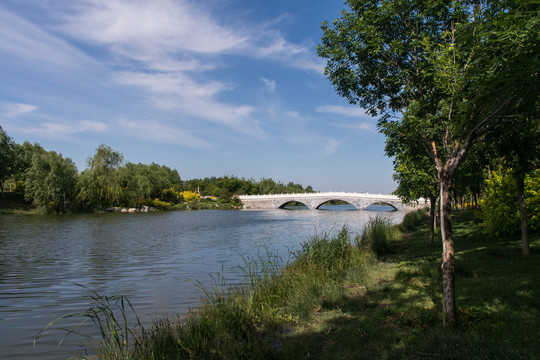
(207, 87)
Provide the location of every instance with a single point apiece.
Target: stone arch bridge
(314, 200)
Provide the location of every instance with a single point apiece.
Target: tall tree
(50, 181)
(7, 158)
(435, 63)
(99, 185)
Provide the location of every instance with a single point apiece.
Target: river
(154, 259)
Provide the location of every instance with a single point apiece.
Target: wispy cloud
(164, 134)
(269, 85)
(349, 111)
(368, 123)
(360, 126)
(27, 42)
(14, 110)
(56, 130)
(193, 99)
(173, 42)
(330, 145)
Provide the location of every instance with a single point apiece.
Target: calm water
(152, 258)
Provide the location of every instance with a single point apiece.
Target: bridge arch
(318, 204)
(383, 203)
(284, 205)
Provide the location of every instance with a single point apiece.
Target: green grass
(338, 298)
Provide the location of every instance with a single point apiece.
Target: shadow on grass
(399, 316)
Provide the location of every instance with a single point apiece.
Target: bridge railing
(320, 194)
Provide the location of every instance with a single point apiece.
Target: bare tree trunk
(448, 266)
(432, 218)
(520, 184)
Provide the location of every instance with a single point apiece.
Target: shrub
(326, 252)
(162, 205)
(377, 235)
(414, 219)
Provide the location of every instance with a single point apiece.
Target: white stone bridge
(314, 200)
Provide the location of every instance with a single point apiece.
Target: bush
(162, 205)
(414, 219)
(500, 207)
(377, 235)
(325, 252)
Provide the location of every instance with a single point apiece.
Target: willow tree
(427, 69)
(98, 185)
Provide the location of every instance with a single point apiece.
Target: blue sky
(208, 87)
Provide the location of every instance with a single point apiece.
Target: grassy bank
(370, 296)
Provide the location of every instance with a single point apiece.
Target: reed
(377, 236)
(110, 315)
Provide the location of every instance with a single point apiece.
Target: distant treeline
(52, 182)
(227, 186)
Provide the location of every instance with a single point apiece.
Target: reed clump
(378, 235)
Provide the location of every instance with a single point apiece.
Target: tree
(7, 158)
(414, 172)
(50, 181)
(435, 63)
(98, 185)
(519, 148)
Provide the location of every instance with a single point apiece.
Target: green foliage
(500, 208)
(50, 181)
(7, 157)
(414, 220)
(226, 187)
(325, 252)
(162, 205)
(377, 236)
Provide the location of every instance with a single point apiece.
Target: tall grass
(377, 236)
(415, 220)
(116, 334)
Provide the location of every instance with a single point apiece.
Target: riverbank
(339, 300)
(14, 203)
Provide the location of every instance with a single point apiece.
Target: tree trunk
(520, 184)
(432, 218)
(448, 266)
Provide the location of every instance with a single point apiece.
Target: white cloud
(269, 85)
(61, 130)
(158, 132)
(27, 42)
(14, 110)
(160, 33)
(330, 145)
(368, 123)
(349, 111)
(272, 45)
(361, 126)
(193, 99)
